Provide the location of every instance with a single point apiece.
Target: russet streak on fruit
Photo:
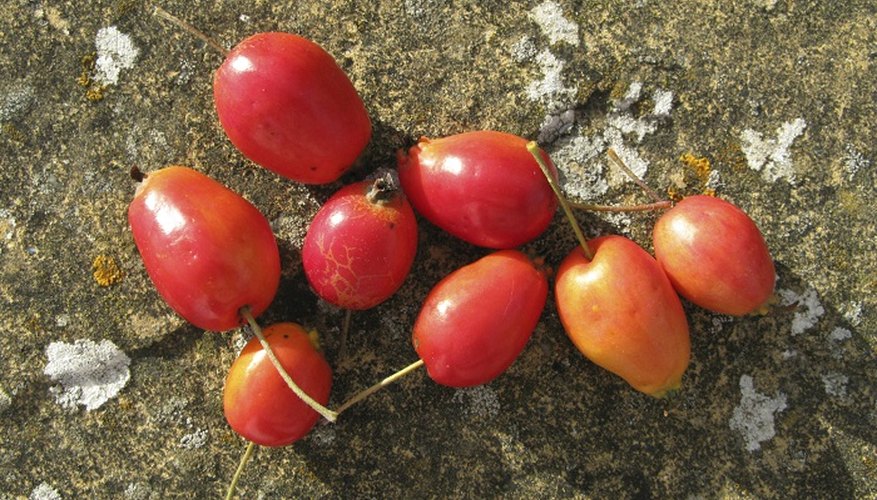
(208, 251)
(286, 104)
(621, 312)
(257, 402)
(483, 187)
(715, 256)
(476, 321)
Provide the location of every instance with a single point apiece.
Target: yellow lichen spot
(674, 194)
(314, 337)
(95, 94)
(701, 167)
(106, 270)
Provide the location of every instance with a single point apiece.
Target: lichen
(106, 270)
(702, 169)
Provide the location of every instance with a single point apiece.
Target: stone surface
(777, 96)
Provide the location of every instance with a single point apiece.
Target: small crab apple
(715, 256)
(258, 404)
(482, 187)
(361, 244)
(285, 103)
(208, 251)
(621, 312)
(619, 309)
(477, 320)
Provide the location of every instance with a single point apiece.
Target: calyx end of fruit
(385, 186)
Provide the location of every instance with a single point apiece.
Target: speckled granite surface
(771, 103)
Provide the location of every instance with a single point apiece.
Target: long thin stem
(635, 178)
(658, 205)
(328, 414)
(248, 452)
(533, 148)
(380, 385)
(167, 16)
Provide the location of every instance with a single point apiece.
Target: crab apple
(476, 321)
(715, 256)
(621, 312)
(361, 244)
(208, 251)
(482, 187)
(257, 402)
(285, 103)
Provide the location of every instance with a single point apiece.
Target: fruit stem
(248, 452)
(533, 148)
(191, 29)
(380, 385)
(328, 414)
(635, 178)
(658, 205)
(384, 188)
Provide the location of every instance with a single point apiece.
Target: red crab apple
(257, 402)
(361, 244)
(482, 187)
(715, 256)
(475, 322)
(208, 251)
(285, 103)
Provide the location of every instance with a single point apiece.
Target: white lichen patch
(852, 312)
(89, 373)
(194, 440)
(754, 417)
(854, 162)
(808, 309)
(115, 52)
(44, 491)
(14, 100)
(481, 401)
(835, 384)
(772, 157)
(583, 177)
(551, 89)
(549, 16)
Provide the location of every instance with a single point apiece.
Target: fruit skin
(208, 251)
(476, 321)
(286, 104)
(358, 252)
(622, 313)
(483, 187)
(257, 402)
(715, 256)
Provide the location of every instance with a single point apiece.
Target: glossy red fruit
(476, 321)
(286, 105)
(715, 256)
(257, 402)
(483, 187)
(621, 312)
(208, 251)
(361, 244)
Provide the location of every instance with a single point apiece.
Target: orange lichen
(702, 168)
(106, 270)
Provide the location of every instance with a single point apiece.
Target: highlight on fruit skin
(208, 250)
(257, 402)
(483, 187)
(715, 256)
(620, 311)
(285, 104)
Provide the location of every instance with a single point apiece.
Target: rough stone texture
(776, 406)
